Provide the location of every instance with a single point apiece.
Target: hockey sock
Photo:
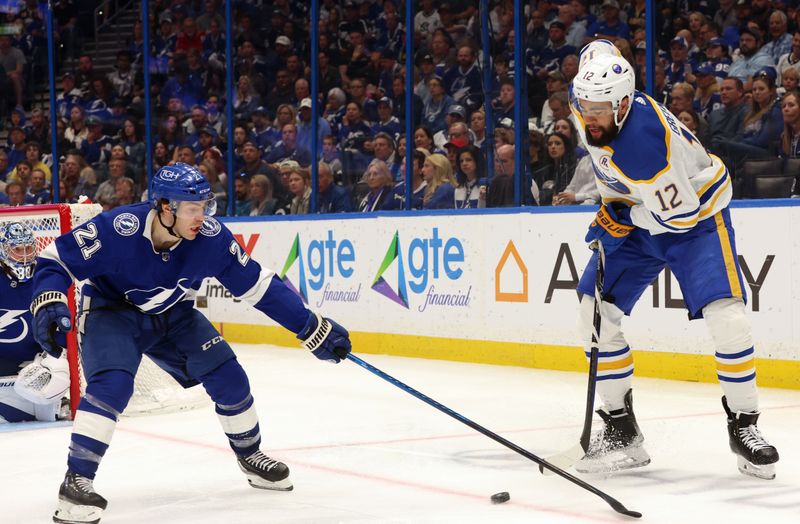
(229, 388)
(615, 360)
(106, 396)
(735, 356)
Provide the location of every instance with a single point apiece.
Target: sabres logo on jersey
(601, 172)
(13, 327)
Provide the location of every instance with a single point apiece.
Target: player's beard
(607, 135)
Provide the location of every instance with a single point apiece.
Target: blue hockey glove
(611, 226)
(50, 314)
(326, 339)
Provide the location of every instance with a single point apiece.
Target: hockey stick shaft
(568, 458)
(615, 504)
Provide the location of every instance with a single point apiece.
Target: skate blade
(765, 471)
(259, 483)
(619, 460)
(69, 513)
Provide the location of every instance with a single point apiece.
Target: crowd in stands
(728, 69)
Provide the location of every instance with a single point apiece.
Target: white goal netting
(154, 390)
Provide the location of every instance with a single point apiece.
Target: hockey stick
(569, 457)
(614, 503)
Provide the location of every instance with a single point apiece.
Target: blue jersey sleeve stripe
(708, 193)
(673, 227)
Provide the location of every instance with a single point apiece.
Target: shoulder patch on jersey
(210, 227)
(126, 224)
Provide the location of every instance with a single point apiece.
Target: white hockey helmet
(597, 48)
(606, 78)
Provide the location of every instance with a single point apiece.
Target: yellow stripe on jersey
(710, 204)
(727, 255)
(719, 174)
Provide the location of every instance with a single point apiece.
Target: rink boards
(499, 287)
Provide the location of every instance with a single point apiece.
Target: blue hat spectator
(261, 110)
(679, 40)
(706, 68)
(459, 110)
(718, 41)
(388, 101)
(768, 71)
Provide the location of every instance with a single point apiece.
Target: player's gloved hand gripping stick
(326, 339)
(50, 314)
(568, 458)
(611, 226)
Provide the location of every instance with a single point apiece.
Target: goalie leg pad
(14, 408)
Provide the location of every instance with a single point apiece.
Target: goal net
(154, 390)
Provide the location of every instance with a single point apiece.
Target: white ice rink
(363, 451)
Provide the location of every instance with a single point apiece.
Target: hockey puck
(499, 498)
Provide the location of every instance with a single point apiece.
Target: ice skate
(78, 503)
(265, 473)
(755, 456)
(618, 446)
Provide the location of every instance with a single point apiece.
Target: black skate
(265, 473)
(755, 456)
(78, 503)
(618, 446)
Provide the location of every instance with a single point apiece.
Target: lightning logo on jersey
(13, 327)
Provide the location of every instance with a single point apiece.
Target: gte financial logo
(306, 270)
(428, 262)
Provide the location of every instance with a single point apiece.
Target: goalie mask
(17, 251)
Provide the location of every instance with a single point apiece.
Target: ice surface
(363, 451)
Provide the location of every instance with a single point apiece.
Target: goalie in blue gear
(142, 265)
(32, 383)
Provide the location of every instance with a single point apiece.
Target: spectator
(328, 76)
(456, 114)
(76, 132)
(504, 104)
(463, 80)
(355, 57)
(121, 79)
(582, 189)
(300, 187)
(12, 60)
(335, 110)
(261, 201)
(680, 67)
(282, 93)
(79, 177)
(38, 130)
(379, 184)
(427, 71)
(789, 80)
(184, 154)
(187, 88)
(383, 147)
(790, 59)
(354, 131)
(469, 178)
(209, 170)
(33, 154)
(423, 139)
(780, 40)
(96, 148)
(575, 31)
(84, 73)
(190, 38)
(161, 156)
(610, 27)
(331, 155)
(691, 120)
(331, 198)
(435, 110)
(559, 108)
(15, 193)
(22, 173)
(500, 192)
(555, 176)
(569, 67)
(69, 97)
(106, 193)
(124, 193)
(725, 15)
(397, 199)
(440, 184)
(707, 95)
(245, 100)
(567, 128)
(387, 123)
(17, 143)
(555, 83)
(557, 48)
(288, 149)
(790, 138)
(304, 128)
(37, 192)
(241, 191)
(477, 127)
(286, 114)
(751, 58)
(4, 169)
(426, 21)
(130, 139)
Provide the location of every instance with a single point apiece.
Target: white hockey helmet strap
(606, 78)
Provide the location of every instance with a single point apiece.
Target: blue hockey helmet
(18, 250)
(181, 183)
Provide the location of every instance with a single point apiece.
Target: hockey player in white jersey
(143, 265)
(32, 383)
(665, 204)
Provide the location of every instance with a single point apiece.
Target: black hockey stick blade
(614, 503)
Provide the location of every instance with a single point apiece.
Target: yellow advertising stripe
(673, 366)
(618, 364)
(736, 368)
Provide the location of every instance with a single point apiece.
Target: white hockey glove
(44, 380)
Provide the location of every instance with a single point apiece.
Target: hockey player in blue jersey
(143, 265)
(32, 383)
(665, 204)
